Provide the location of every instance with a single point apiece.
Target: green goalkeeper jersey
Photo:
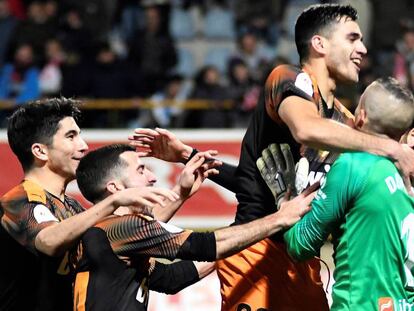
(364, 205)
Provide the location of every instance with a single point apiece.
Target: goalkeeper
(364, 205)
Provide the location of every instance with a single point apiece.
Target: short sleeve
(132, 235)
(25, 220)
(285, 81)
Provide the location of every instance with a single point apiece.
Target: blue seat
(181, 24)
(219, 24)
(186, 63)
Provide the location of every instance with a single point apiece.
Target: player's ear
(361, 118)
(114, 185)
(319, 44)
(40, 151)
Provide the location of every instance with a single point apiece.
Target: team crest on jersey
(304, 83)
(42, 214)
(385, 304)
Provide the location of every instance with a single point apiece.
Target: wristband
(193, 153)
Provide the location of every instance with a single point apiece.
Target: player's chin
(354, 74)
(351, 77)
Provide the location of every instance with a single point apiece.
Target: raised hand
(293, 210)
(140, 199)
(161, 144)
(201, 166)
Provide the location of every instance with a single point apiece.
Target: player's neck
(367, 129)
(326, 84)
(49, 181)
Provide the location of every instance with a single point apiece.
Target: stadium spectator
(7, 24)
(153, 53)
(209, 86)
(19, 80)
(50, 78)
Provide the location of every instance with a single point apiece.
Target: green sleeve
(306, 237)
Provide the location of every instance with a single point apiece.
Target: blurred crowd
(177, 50)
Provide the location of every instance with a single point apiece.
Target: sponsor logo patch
(42, 214)
(385, 304)
(304, 83)
(170, 228)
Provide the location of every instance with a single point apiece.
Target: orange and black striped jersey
(139, 235)
(140, 238)
(37, 281)
(104, 282)
(266, 127)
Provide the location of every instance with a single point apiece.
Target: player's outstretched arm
(307, 127)
(172, 242)
(164, 145)
(232, 239)
(160, 144)
(56, 238)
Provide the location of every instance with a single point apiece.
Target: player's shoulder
(359, 157)
(285, 72)
(364, 163)
(289, 78)
(26, 192)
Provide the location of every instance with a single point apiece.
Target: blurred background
(178, 63)
(197, 65)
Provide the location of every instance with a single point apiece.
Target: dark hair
(38, 122)
(97, 167)
(315, 20)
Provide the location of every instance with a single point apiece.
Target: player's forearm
(171, 278)
(233, 239)
(165, 213)
(330, 135)
(226, 177)
(300, 245)
(54, 240)
(204, 268)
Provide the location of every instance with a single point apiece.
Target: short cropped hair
(318, 19)
(389, 107)
(38, 122)
(97, 168)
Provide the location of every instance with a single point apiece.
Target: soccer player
(39, 223)
(299, 108)
(364, 205)
(112, 168)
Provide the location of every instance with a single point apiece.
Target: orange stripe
(80, 291)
